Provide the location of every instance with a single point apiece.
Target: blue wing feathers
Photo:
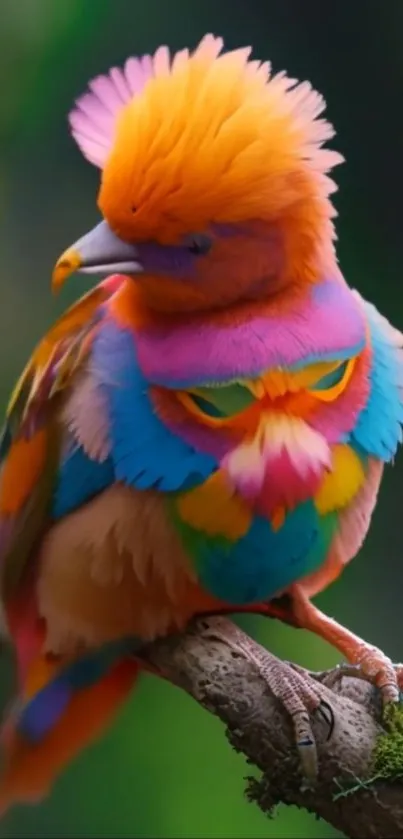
(146, 454)
(379, 426)
(79, 479)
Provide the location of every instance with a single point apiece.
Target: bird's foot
(364, 661)
(301, 696)
(376, 668)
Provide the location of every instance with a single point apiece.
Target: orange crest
(202, 138)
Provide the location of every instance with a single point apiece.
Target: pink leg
(364, 660)
(280, 608)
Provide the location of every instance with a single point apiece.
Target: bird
(205, 430)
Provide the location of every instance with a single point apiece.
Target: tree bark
(227, 685)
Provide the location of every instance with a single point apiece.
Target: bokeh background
(165, 769)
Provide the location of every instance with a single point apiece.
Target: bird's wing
(80, 418)
(29, 456)
(378, 431)
(30, 440)
(31, 465)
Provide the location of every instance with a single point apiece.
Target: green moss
(388, 752)
(387, 758)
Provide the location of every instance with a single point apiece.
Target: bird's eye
(199, 244)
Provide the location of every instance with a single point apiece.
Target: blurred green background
(165, 769)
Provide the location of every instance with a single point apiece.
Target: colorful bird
(206, 429)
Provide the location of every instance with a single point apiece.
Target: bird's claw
(374, 668)
(302, 699)
(299, 695)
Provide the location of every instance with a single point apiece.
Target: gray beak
(99, 251)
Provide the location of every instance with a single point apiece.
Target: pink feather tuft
(93, 120)
(282, 466)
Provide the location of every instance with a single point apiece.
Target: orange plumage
(211, 138)
(219, 139)
(21, 471)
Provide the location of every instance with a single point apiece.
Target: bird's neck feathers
(323, 322)
(130, 308)
(256, 263)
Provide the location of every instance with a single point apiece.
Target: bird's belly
(116, 567)
(245, 560)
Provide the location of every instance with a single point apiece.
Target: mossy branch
(360, 785)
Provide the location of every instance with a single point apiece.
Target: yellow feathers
(278, 382)
(341, 484)
(215, 509)
(331, 393)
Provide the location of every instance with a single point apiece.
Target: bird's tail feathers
(64, 708)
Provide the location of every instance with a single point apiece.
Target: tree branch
(227, 685)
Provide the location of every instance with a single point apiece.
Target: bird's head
(214, 184)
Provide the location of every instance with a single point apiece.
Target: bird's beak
(98, 252)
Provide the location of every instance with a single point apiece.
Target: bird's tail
(63, 709)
